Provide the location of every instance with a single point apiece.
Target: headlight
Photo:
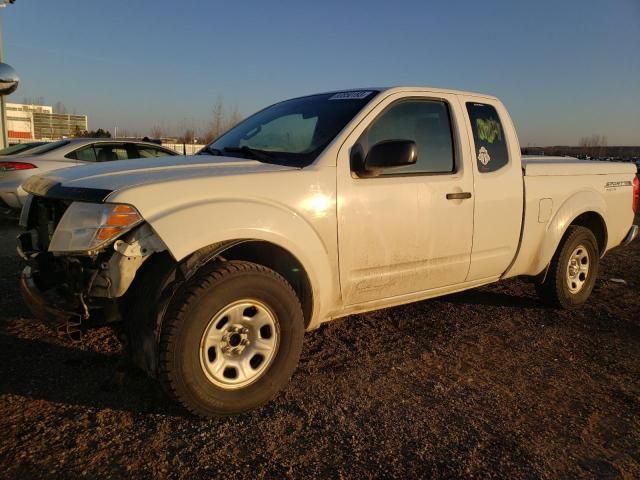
(87, 226)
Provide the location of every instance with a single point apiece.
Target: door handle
(458, 196)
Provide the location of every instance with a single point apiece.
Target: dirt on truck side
(485, 383)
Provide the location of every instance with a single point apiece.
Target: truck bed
(558, 190)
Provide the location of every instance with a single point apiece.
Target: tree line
(222, 119)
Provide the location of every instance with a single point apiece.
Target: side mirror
(386, 154)
(8, 79)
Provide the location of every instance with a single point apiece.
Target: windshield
(293, 132)
(47, 147)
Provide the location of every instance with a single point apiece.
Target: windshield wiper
(209, 150)
(254, 154)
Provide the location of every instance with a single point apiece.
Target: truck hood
(105, 178)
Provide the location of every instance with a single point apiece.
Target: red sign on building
(14, 134)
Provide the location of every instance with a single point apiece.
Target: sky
(565, 69)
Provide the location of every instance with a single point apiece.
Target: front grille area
(44, 215)
(64, 280)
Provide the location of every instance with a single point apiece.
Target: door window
(488, 136)
(108, 152)
(427, 123)
(145, 151)
(86, 154)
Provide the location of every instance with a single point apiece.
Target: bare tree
(222, 119)
(593, 141)
(234, 117)
(157, 132)
(217, 121)
(188, 136)
(595, 145)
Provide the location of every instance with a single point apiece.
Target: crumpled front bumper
(62, 321)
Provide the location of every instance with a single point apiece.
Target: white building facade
(38, 122)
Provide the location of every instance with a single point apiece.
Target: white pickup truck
(213, 266)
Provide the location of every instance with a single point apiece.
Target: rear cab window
(488, 136)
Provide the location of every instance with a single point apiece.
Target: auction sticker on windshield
(350, 95)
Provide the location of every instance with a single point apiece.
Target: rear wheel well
(596, 224)
(281, 261)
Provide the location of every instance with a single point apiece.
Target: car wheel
(573, 270)
(231, 339)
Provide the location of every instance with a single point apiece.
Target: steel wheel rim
(239, 344)
(578, 269)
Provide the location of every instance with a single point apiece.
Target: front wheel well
(594, 222)
(279, 260)
(157, 280)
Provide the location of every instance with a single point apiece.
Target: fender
(574, 206)
(195, 226)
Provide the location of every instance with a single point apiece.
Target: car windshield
(293, 132)
(47, 147)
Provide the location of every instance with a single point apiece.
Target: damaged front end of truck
(82, 258)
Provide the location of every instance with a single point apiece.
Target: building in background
(38, 122)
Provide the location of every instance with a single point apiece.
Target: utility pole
(3, 112)
(6, 73)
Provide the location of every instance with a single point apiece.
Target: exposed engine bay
(81, 286)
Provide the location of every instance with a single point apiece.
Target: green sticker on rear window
(488, 129)
(490, 143)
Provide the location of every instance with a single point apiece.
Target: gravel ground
(485, 383)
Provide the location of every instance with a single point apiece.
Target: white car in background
(67, 153)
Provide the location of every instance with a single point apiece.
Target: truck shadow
(492, 298)
(72, 376)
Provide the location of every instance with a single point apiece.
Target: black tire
(190, 313)
(555, 291)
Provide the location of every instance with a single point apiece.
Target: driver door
(410, 229)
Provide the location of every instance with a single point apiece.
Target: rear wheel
(573, 270)
(231, 339)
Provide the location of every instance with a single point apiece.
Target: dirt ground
(486, 383)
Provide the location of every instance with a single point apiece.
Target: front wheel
(231, 340)
(573, 270)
